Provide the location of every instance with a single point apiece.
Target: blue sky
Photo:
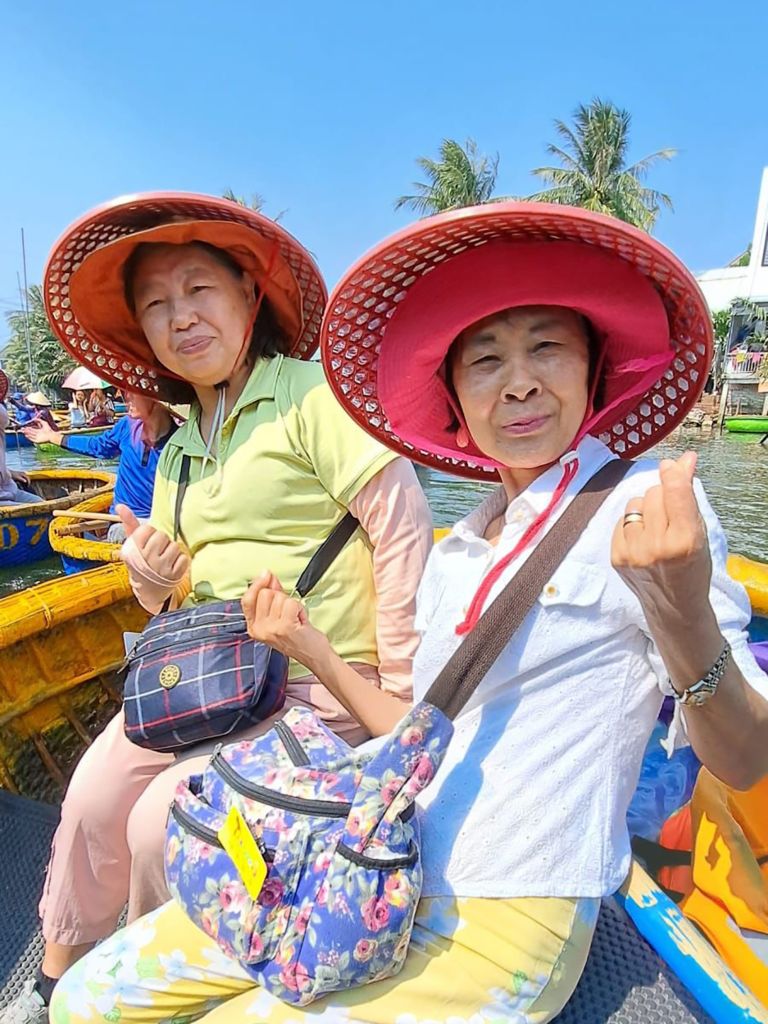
(322, 108)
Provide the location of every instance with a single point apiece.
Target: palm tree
(51, 363)
(594, 172)
(460, 177)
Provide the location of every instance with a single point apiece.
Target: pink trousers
(108, 848)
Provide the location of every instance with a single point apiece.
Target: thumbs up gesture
(660, 546)
(150, 553)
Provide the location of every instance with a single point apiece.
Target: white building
(744, 381)
(722, 286)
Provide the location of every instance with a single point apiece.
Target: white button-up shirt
(532, 797)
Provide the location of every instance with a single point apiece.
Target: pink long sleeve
(395, 515)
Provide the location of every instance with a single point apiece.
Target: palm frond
(641, 167)
(594, 173)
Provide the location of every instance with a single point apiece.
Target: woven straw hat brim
(38, 398)
(84, 291)
(373, 299)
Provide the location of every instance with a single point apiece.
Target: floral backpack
(299, 855)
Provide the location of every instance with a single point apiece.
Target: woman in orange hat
(196, 299)
(534, 345)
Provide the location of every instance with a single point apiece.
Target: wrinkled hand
(20, 478)
(162, 556)
(664, 558)
(278, 620)
(38, 432)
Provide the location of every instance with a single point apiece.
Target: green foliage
(742, 260)
(594, 172)
(721, 324)
(256, 203)
(755, 318)
(50, 362)
(460, 177)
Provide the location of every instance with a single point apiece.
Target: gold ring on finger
(633, 517)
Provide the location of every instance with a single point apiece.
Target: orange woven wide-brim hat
(84, 290)
(393, 317)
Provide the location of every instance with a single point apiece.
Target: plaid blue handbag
(195, 674)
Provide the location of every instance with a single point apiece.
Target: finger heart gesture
(660, 546)
(274, 618)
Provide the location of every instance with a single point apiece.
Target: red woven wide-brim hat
(84, 291)
(393, 317)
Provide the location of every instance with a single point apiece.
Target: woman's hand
(40, 432)
(281, 622)
(19, 478)
(660, 546)
(165, 560)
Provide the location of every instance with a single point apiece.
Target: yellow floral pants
(471, 961)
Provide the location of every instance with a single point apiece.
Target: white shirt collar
(591, 453)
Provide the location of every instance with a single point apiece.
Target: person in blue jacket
(137, 439)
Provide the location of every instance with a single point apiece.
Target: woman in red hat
(198, 300)
(533, 345)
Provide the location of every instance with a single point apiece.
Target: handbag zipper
(295, 750)
(135, 652)
(319, 808)
(183, 818)
(209, 835)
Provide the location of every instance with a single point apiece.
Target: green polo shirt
(289, 463)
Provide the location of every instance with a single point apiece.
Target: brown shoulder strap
(472, 661)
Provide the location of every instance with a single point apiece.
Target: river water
(732, 467)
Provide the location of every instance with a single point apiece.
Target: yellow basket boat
(77, 551)
(60, 645)
(24, 528)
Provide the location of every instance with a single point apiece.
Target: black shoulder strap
(325, 555)
(181, 490)
(320, 562)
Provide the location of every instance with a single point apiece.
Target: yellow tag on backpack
(238, 841)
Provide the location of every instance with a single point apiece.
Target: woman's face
(139, 406)
(193, 310)
(522, 380)
(79, 397)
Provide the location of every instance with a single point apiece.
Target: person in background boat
(12, 482)
(101, 410)
(78, 410)
(206, 302)
(514, 355)
(42, 408)
(23, 411)
(137, 439)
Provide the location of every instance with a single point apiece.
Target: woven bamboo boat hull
(24, 528)
(79, 552)
(61, 643)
